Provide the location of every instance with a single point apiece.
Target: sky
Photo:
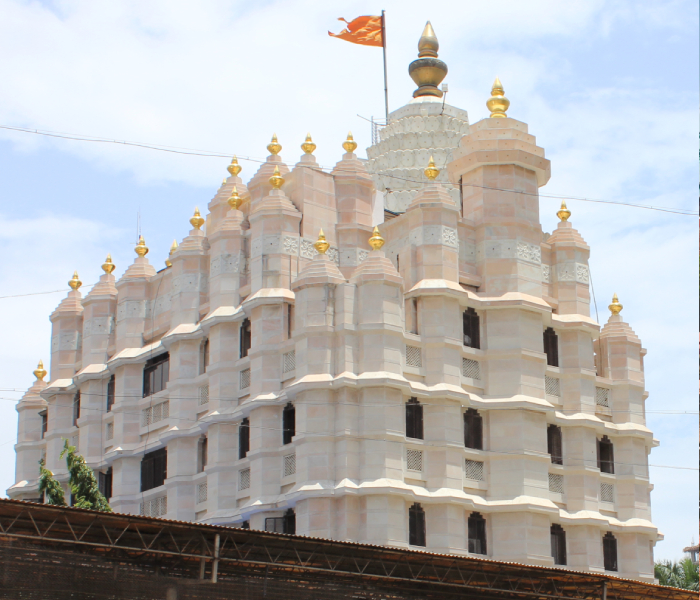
(609, 88)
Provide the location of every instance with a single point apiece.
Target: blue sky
(610, 89)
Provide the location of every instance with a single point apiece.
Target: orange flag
(362, 30)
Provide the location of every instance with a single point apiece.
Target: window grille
(245, 379)
(289, 361)
(414, 460)
(154, 508)
(110, 431)
(146, 417)
(156, 413)
(602, 396)
(290, 464)
(607, 492)
(203, 395)
(75, 441)
(556, 483)
(413, 357)
(474, 470)
(471, 368)
(243, 479)
(202, 492)
(552, 386)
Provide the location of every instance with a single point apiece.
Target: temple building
(434, 381)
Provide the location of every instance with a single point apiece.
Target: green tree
(49, 487)
(680, 574)
(83, 482)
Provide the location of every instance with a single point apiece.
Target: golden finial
(141, 248)
(321, 245)
(428, 43)
(376, 241)
(223, 183)
(235, 199)
(431, 172)
(197, 220)
(75, 282)
(308, 146)
(563, 213)
(234, 168)
(615, 307)
(108, 265)
(498, 103)
(350, 144)
(276, 180)
(274, 146)
(172, 249)
(40, 372)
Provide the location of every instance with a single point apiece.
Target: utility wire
(214, 154)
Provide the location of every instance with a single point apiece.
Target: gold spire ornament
(235, 199)
(223, 183)
(308, 146)
(197, 220)
(376, 241)
(274, 147)
(321, 245)
(108, 266)
(431, 172)
(350, 145)
(40, 372)
(172, 249)
(563, 213)
(141, 248)
(276, 180)
(234, 168)
(428, 70)
(498, 103)
(615, 307)
(75, 282)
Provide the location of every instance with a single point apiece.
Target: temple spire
(428, 70)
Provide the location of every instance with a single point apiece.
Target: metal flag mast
(386, 89)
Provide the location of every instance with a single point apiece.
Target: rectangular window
(203, 395)
(289, 361)
(556, 483)
(476, 533)
(551, 347)
(414, 357)
(244, 383)
(290, 321)
(243, 479)
(554, 445)
(202, 492)
(414, 419)
(202, 451)
(609, 552)
(111, 386)
(204, 357)
(473, 470)
(471, 368)
(552, 387)
(154, 469)
(104, 483)
(288, 423)
(473, 430)
(243, 438)
(245, 337)
(285, 524)
(602, 397)
(76, 409)
(470, 328)
(558, 540)
(156, 373)
(290, 465)
(606, 459)
(416, 525)
(414, 460)
(109, 431)
(155, 508)
(44, 414)
(607, 493)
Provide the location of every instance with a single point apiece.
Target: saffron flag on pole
(365, 30)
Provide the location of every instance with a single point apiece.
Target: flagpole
(386, 89)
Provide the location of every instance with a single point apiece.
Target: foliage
(49, 487)
(83, 482)
(681, 574)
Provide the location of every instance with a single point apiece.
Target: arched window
(609, 552)
(204, 357)
(476, 533)
(414, 419)
(551, 347)
(243, 438)
(473, 430)
(245, 337)
(288, 423)
(554, 446)
(606, 458)
(416, 525)
(558, 539)
(470, 328)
